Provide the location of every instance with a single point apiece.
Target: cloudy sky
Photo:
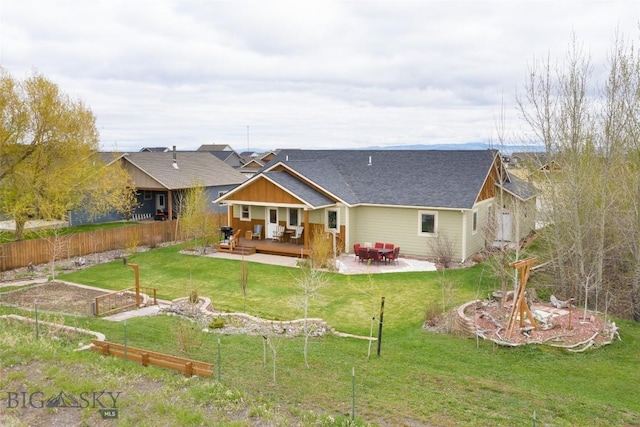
(306, 73)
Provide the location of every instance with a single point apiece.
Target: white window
(293, 217)
(333, 221)
(245, 215)
(427, 223)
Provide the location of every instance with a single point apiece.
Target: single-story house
(415, 199)
(162, 177)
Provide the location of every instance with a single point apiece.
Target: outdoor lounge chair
(298, 234)
(257, 232)
(278, 234)
(230, 244)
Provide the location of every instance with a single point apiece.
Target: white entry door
(161, 202)
(272, 222)
(504, 227)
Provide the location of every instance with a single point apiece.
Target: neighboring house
(154, 149)
(412, 198)
(251, 168)
(161, 178)
(224, 153)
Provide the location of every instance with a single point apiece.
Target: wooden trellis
(520, 308)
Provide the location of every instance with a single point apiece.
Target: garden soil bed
(55, 297)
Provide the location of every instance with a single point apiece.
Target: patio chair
(363, 254)
(298, 234)
(257, 232)
(379, 245)
(388, 245)
(375, 256)
(393, 256)
(356, 248)
(278, 234)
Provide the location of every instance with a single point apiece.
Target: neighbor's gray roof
(519, 188)
(193, 167)
(429, 178)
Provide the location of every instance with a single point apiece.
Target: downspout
(347, 227)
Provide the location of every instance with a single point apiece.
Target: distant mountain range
(507, 149)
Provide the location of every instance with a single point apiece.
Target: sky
(311, 74)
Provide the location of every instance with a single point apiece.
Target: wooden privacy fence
(187, 366)
(66, 246)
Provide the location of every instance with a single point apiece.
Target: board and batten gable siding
(262, 190)
(401, 226)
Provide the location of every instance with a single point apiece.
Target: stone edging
(257, 326)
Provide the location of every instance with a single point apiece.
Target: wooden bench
(229, 245)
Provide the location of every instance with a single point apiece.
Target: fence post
(353, 393)
(125, 338)
(35, 302)
(380, 325)
(219, 359)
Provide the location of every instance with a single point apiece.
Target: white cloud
(299, 74)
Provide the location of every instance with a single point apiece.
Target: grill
(227, 231)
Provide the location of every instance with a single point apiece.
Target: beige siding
(476, 242)
(401, 226)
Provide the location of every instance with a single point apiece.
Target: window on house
(294, 217)
(428, 222)
(245, 214)
(474, 222)
(147, 195)
(332, 219)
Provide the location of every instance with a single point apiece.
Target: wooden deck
(270, 247)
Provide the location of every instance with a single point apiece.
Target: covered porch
(270, 247)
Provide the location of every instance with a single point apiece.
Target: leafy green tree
(49, 163)
(196, 220)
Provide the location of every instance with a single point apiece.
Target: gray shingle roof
(429, 178)
(519, 188)
(193, 167)
(308, 194)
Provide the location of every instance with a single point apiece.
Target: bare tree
(592, 200)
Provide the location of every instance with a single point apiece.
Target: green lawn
(420, 378)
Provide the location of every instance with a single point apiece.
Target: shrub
(217, 323)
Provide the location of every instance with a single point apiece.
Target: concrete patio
(347, 264)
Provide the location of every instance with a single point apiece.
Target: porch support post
(230, 215)
(170, 204)
(306, 227)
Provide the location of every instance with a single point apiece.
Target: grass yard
(421, 378)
